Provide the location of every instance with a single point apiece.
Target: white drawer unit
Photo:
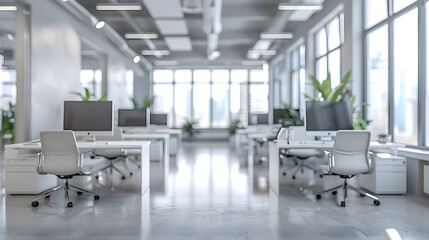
(389, 175)
(22, 177)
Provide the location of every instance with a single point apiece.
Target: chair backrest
(298, 133)
(60, 154)
(350, 152)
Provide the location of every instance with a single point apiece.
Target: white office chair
(113, 155)
(349, 157)
(60, 156)
(300, 156)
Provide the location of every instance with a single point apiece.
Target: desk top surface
(330, 144)
(145, 136)
(86, 145)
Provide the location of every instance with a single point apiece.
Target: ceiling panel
(164, 8)
(172, 27)
(178, 43)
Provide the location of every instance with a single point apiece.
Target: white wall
(56, 63)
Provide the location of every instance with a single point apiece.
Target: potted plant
(8, 124)
(189, 127)
(383, 138)
(88, 96)
(233, 126)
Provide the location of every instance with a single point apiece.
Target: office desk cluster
(274, 147)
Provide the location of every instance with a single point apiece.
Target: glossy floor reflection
(208, 194)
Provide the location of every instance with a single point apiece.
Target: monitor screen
(132, 118)
(158, 118)
(89, 118)
(255, 119)
(325, 118)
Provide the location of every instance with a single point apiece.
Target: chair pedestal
(67, 187)
(345, 186)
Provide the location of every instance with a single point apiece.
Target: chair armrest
(370, 163)
(330, 160)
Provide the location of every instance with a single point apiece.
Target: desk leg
(274, 166)
(250, 151)
(145, 167)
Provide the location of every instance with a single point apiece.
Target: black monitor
(283, 116)
(132, 118)
(159, 119)
(326, 118)
(255, 119)
(89, 118)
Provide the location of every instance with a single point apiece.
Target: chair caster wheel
(96, 197)
(97, 177)
(139, 166)
(318, 196)
(123, 177)
(284, 174)
(69, 204)
(47, 196)
(376, 203)
(35, 204)
(343, 204)
(79, 193)
(334, 193)
(293, 177)
(131, 173)
(362, 195)
(321, 176)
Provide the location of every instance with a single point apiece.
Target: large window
(212, 97)
(328, 45)
(298, 77)
(91, 79)
(392, 46)
(279, 84)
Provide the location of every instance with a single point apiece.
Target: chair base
(67, 187)
(301, 166)
(112, 167)
(345, 186)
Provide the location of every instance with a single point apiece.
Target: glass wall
(213, 97)
(279, 82)
(298, 77)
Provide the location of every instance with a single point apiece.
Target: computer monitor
(132, 118)
(255, 119)
(159, 119)
(324, 119)
(282, 116)
(89, 118)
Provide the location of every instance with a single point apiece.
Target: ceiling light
(118, 7)
(141, 36)
(263, 52)
(8, 8)
(165, 63)
(156, 52)
(10, 36)
(100, 24)
(137, 59)
(300, 7)
(284, 35)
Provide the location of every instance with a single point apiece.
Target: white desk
(14, 150)
(163, 137)
(175, 136)
(274, 147)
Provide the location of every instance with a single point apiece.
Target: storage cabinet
(389, 175)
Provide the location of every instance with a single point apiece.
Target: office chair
(349, 157)
(300, 156)
(60, 156)
(113, 155)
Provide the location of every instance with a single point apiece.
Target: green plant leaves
(87, 95)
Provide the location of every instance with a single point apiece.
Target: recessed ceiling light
(137, 59)
(100, 24)
(141, 36)
(10, 36)
(298, 7)
(284, 35)
(155, 52)
(118, 7)
(8, 8)
(263, 52)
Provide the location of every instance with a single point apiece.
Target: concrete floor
(207, 194)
